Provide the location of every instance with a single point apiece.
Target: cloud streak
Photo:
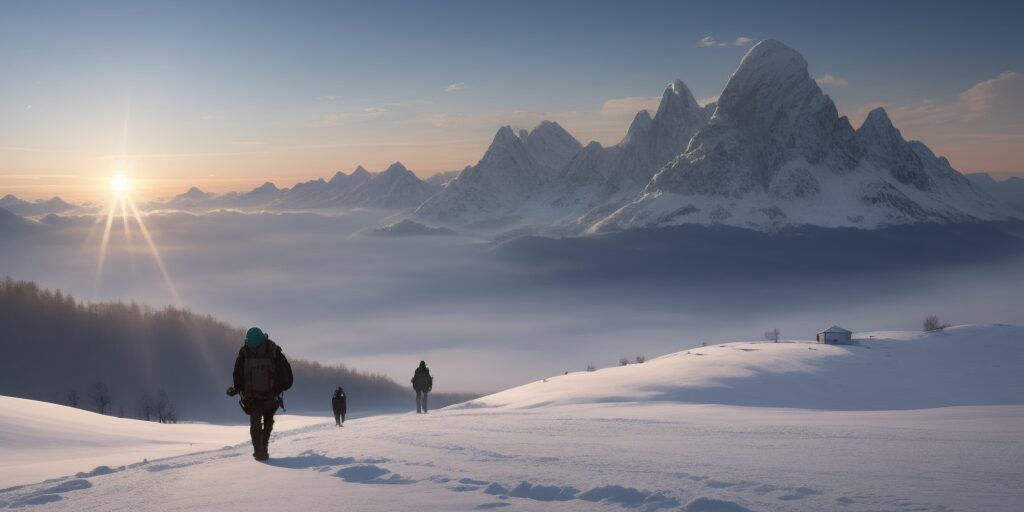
(831, 80)
(458, 86)
(710, 42)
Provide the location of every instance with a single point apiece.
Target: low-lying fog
(327, 290)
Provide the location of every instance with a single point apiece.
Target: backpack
(260, 370)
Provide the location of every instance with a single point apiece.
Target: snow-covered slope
(40, 440)
(1009, 191)
(777, 153)
(965, 365)
(609, 440)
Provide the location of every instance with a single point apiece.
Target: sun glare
(120, 184)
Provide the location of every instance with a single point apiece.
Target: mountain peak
(772, 57)
(878, 129)
(677, 87)
(266, 187)
(677, 100)
(505, 137)
(552, 145)
(640, 126)
(396, 167)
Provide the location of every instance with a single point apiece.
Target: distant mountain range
(34, 208)
(771, 153)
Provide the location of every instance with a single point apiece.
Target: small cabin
(835, 335)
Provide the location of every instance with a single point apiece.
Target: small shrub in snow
(640, 359)
(623, 361)
(591, 368)
(932, 323)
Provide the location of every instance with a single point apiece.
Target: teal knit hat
(255, 337)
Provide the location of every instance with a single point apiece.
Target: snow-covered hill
(964, 365)
(610, 440)
(40, 440)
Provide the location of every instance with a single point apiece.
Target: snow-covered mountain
(442, 178)
(599, 180)
(394, 188)
(777, 153)
(550, 144)
(1009, 191)
(25, 208)
(515, 168)
(324, 193)
(771, 152)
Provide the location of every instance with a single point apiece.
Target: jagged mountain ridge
(776, 153)
(515, 167)
(394, 188)
(772, 151)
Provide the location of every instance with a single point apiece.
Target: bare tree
(640, 359)
(73, 398)
(932, 323)
(172, 415)
(623, 360)
(163, 406)
(146, 407)
(120, 411)
(772, 335)
(100, 397)
(591, 368)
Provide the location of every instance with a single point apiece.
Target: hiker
(339, 404)
(261, 375)
(422, 382)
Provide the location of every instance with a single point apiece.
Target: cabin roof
(835, 329)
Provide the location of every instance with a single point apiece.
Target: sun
(119, 183)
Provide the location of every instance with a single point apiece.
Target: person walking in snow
(422, 382)
(262, 373)
(339, 404)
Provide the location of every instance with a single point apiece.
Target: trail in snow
(614, 439)
(590, 457)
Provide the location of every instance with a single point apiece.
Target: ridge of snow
(963, 365)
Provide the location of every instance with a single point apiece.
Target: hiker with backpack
(339, 404)
(261, 375)
(422, 382)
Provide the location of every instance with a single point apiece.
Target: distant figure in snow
(422, 382)
(339, 404)
(261, 375)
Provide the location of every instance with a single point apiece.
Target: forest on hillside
(132, 360)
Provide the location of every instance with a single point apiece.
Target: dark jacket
(421, 380)
(338, 403)
(282, 369)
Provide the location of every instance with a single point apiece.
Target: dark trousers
(261, 423)
(421, 401)
(339, 418)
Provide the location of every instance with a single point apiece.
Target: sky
(226, 95)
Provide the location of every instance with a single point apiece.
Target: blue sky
(231, 93)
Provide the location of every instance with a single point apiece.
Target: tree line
(121, 358)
